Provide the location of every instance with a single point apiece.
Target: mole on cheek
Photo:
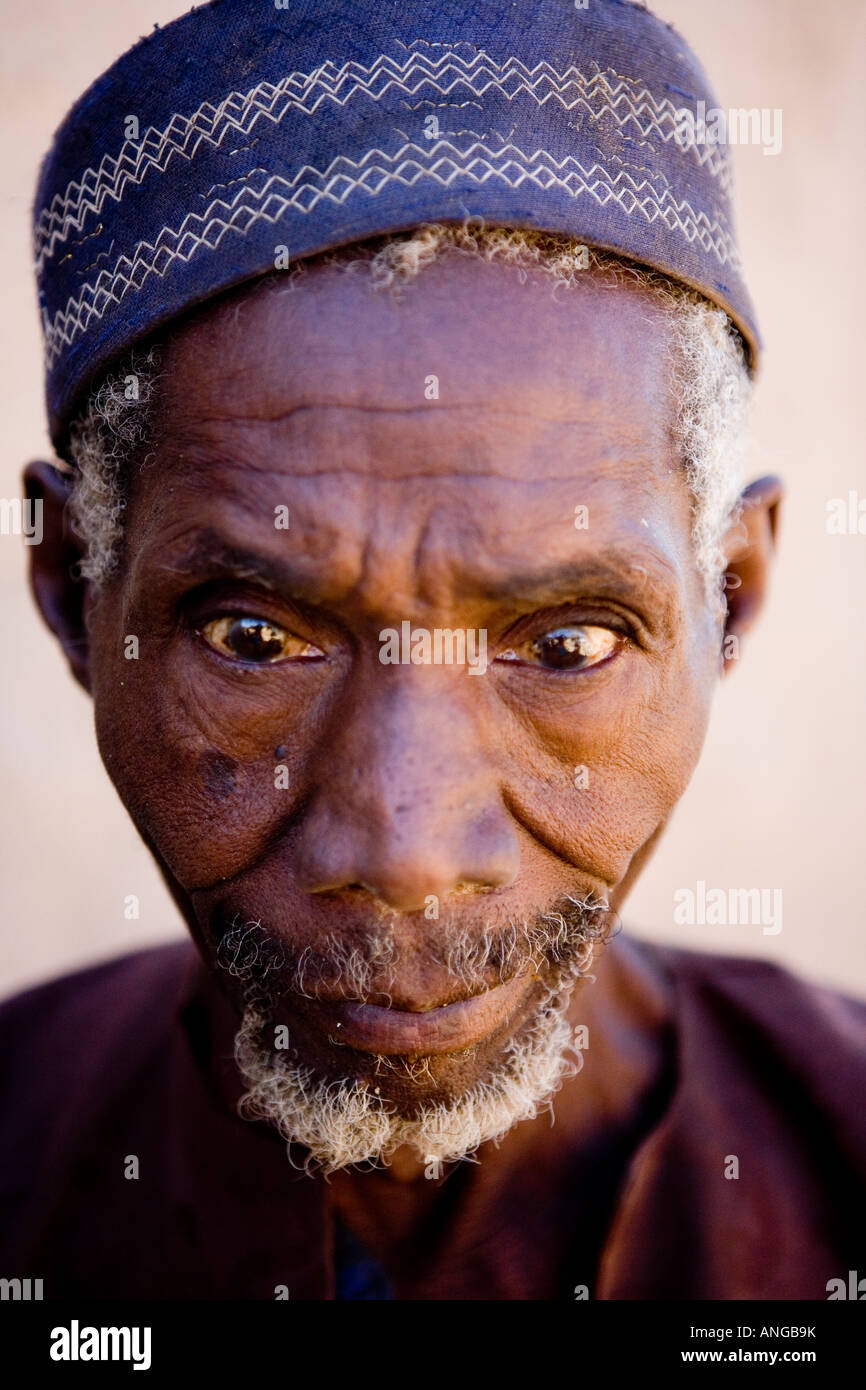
(217, 772)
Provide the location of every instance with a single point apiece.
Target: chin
(353, 1109)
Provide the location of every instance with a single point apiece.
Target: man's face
(282, 772)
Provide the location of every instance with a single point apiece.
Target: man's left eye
(257, 640)
(571, 648)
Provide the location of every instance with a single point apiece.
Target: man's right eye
(257, 640)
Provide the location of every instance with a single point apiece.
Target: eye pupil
(565, 646)
(253, 639)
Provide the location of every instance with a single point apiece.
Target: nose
(405, 803)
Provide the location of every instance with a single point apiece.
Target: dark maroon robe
(630, 1194)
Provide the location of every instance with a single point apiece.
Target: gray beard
(345, 1122)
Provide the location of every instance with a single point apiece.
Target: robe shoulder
(775, 1009)
(76, 1041)
(751, 1184)
(121, 1173)
(804, 1041)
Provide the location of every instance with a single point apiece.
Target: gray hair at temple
(709, 377)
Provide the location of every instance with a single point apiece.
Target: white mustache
(563, 938)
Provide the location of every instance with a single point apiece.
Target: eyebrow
(625, 573)
(211, 555)
(622, 570)
(645, 582)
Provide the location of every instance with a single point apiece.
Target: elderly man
(399, 357)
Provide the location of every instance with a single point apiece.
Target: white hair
(344, 1122)
(112, 431)
(709, 378)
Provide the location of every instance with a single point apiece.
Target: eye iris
(564, 647)
(254, 640)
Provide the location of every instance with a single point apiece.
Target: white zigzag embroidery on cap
(600, 94)
(375, 171)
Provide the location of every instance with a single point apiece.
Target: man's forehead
(553, 441)
(474, 339)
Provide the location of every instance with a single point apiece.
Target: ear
(749, 546)
(59, 592)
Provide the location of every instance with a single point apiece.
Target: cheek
(208, 764)
(605, 767)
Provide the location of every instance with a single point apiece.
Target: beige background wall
(779, 798)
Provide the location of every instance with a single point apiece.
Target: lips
(398, 1032)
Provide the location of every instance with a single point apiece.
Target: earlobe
(749, 547)
(59, 592)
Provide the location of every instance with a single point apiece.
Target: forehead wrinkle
(421, 475)
(481, 441)
(608, 428)
(427, 409)
(196, 456)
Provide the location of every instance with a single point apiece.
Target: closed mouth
(428, 1033)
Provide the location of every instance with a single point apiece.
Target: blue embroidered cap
(251, 125)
